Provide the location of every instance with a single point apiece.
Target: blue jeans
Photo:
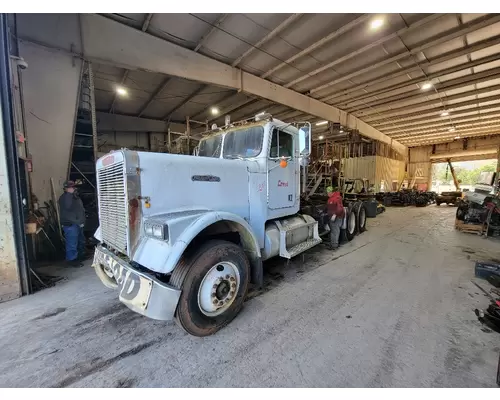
(75, 241)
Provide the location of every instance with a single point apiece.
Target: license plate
(135, 289)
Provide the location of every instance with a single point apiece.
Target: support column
(12, 252)
(498, 171)
(10, 282)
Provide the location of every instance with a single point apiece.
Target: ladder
(84, 149)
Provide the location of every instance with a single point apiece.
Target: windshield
(210, 147)
(244, 143)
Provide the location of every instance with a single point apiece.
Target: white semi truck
(181, 237)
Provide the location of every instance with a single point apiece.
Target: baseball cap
(69, 184)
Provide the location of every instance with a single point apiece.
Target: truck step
(301, 247)
(285, 231)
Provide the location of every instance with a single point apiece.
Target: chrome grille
(113, 206)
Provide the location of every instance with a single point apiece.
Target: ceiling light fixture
(121, 91)
(451, 129)
(426, 86)
(445, 113)
(321, 137)
(321, 123)
(341, 131)
(214, 111)
(377, 23)
(457, 137)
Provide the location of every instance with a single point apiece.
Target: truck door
(282, 181)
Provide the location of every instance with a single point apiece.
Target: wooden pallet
(478, 229)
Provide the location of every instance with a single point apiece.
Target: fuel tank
(298, 223)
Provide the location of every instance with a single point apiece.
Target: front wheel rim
(218, 289)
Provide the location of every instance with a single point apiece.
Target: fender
(162, 256)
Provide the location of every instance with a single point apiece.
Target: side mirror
(305, 139)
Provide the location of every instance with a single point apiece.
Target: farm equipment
(480, 207)
(450, 198)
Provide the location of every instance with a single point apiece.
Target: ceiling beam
(459, 129)
(147, 21)
(144, 28)
(357, 52)
(420, 80)
(429, 43)
(343, 29)
(214, 27)
(260, 43)
(153, 96)
(351, 91)
(184, 102)
(285, 24)
(452, 84)
(465, 153)
(415, 110)
(163, 85)
(450, 137)
(104, 39)
(448, 120)
(433, 116)
(492, 117)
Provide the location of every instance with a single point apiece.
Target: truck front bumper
(139, 291)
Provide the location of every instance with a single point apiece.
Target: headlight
(158, 231)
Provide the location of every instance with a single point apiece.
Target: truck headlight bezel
(156, 230)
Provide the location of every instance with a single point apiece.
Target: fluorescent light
(214, 111)
(451, 129)
(457, 137)
(341, 131)
(121, 91)
(321, 123)
(377, 23)
(321, 137)
(426, 86)
(445, 113)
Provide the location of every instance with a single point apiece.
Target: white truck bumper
(139, 291)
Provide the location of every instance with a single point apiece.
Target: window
(243, 143)
(210, 147)
(281, 144)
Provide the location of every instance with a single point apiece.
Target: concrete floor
(392, 308)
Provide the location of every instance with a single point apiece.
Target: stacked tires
(355, 220)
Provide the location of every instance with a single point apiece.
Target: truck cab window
(210, 147)
(243, 143)
(281, 144)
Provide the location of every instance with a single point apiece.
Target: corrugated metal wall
(360, 167)
(376, 169)
(390, 171)
(420, 165)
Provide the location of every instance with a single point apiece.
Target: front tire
(214, 283)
